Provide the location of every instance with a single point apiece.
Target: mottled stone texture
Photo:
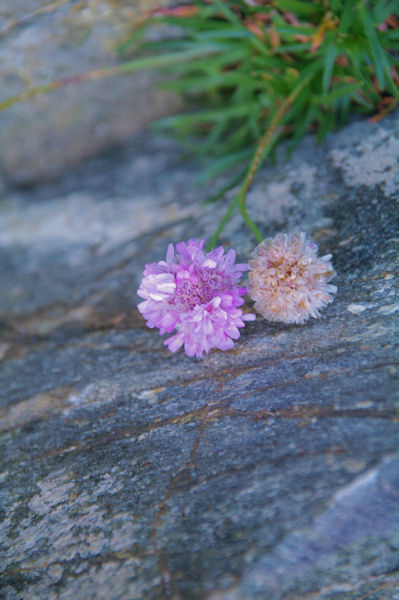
(41, 42)
(266, 473)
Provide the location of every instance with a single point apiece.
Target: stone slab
(267, 472)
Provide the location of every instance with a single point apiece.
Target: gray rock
(267, 472)
(43, 136)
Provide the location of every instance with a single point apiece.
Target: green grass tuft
(257, 72)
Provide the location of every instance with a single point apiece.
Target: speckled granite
(267, 472)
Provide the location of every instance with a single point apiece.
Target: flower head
(288, 281)
(195, 293)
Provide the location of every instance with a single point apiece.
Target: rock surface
(44, 42)
(267, 472)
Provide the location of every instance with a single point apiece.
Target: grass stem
(263, 148)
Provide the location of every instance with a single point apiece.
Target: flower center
(284, 272)
(193, 289)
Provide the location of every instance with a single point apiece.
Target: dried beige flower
(288, 281)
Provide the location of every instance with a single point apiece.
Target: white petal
(211, 264)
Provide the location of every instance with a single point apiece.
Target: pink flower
(288, 281)
(196, 294)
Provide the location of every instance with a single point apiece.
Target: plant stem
(223, 222)
(386, 111)
(130, 66)
(263, 148)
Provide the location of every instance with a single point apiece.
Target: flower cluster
(288, 281)
(195, 294)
